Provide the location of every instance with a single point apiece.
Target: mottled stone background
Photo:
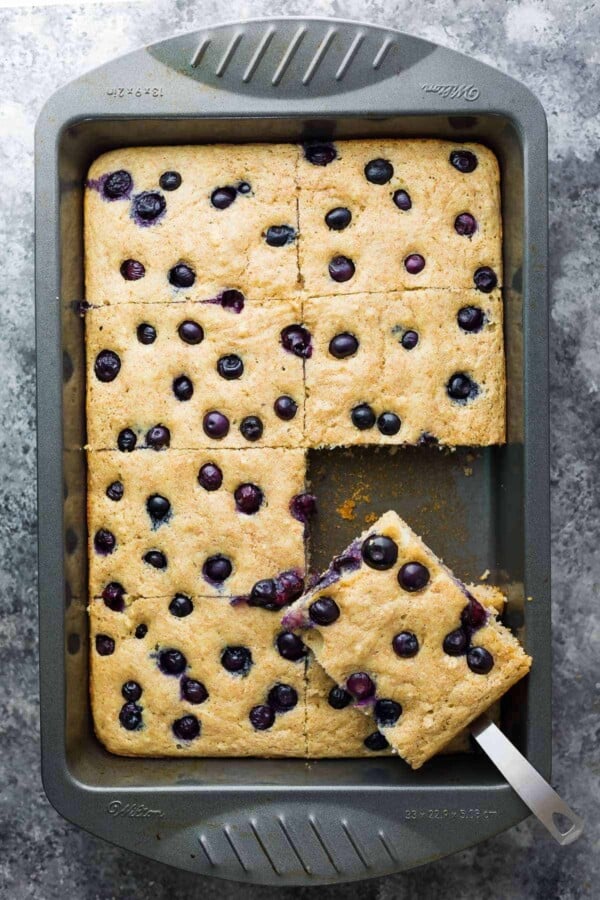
(554, 48)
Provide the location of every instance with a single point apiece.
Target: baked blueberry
(379, 552)
(338, 218)
(104, 541)
(343, 345)
(148, 206)
(285, 408)
(323, 611)
(222, 197)
(341, 268)
(183, 388)
(131, 690)
(215, 424)
(264, 594)
(480, 660)
(282, 697)
(463, 160)
(146, 334)
(320, 153)
(456, 642)
(113, 595)
(217, 568)
(236, 660)
(360, 685)
(130, 716)
(465, 224)
(405, 644)
(251, 428)
(187, 728)
(389, 423)
(473, 615)
(296, 339)
(158, 508)
(181, 606)
(339, 698)
(156, 559)
(485, 279)
(190, 332)
(210, 477)
(427, 439)
(387, 712)
(182, 276)
(402, 200)
(117, 184)
(243, 187)
(376, 742)
(248, 498)
(409, 340)
(107, 365)
(290, 586)
(127, 440)
(230, 367)
(379, 171)
(461, 388)
(232, 299)
(171, 661)
(193, 691)
(158, 437)
(105, 645)
(141, 631)
(470, 318)
(262, 717)
(280, 235)
(290, 646)
(132, 270)
(414, 263)
(413, 576)
(363, 416)
(170, 181)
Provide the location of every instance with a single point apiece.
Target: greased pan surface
(286, 821)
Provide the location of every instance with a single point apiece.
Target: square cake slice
(392, 626)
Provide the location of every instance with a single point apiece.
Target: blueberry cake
(413, 648)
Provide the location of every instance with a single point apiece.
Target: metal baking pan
(289, 821)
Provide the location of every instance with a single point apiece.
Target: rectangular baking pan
(289, 821)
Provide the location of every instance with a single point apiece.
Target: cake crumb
(370, 518)
(346, 510)
(468, 471)
(485, 575)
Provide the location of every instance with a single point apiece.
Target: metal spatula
(564, 825)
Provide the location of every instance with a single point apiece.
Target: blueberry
(341, 268)
(158, 437)
(105, 645)
(131, 690)
(243, 187)
(182, 276)
(323, 611)
(190, 332)
(113, 595)
(387, 712)
(251, 428)
(465, 224)
(379, 552)
(427, 439)
(280, 235)
(473, 615)
(156, 559)
(405, 644)
(181, 606)
(264, 593)
(320, 154)
(363, 416)
(187, 728)
(127, 440)
(463, 160)
(130, 716)
(338, 698)
(290, 586)
(222, 197)
(485, 279)
(479, 660)
(389, 423)
(170, 181)
(413, 576)
(104, 541)
(470, 318)
(282, 697)
(107, 365)
(285, 408)
(296, 339)
(217, 568)
(193, 691)
(290, 646)
(409, 340)
(456, 643)
(146, 334)
(158, 508)
(148, 206)
(132, 270)
(360, 685)
(232, 299)
(141, 631)
(248, 498)
(379, 171)
(338, 218)
(171, 661)
(261, 717)
(461, 388)
(230, 367)
(183, 388)
(117, 184)
(236, 660)
(376, 741)
(343, 345)
(215, 424)
(414, 263)
(210, 477)
(402, 200)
